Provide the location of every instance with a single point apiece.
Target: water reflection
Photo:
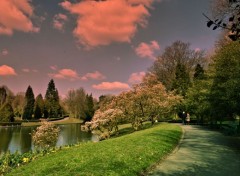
(19, 138)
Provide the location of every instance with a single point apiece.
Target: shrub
(46, 135)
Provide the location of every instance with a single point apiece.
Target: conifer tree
(39, 107)
(3, 96)
(199, 72)
(89, 107)
(52, 105)
(29, 104)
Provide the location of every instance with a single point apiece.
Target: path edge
(176, 148)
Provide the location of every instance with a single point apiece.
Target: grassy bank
(126, 155)
(59, 122)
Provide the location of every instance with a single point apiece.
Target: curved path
(202, 152)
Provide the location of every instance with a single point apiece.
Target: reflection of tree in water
(25, 139)
(5, 138)
(72, 134)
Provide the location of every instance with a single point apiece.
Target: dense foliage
(6, 113)
(79, 104)
(29, 104)
(52, 106)
(225, 96)
(39, 107)
(147, 101)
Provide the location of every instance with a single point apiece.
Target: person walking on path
(202, 152)
(188, 119)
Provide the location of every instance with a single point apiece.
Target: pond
(19, 138)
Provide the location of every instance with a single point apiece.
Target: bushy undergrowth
(9, 161)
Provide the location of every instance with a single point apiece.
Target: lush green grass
(126, 155)
(59, 122)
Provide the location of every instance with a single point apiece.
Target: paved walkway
(202, 152)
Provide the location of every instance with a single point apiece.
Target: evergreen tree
(29, 104)
(89, 107)
(39, 107)
(53, 108)
(199, 72)
(6, 113)
(3, 96)
(182, 80)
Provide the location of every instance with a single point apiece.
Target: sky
(103, 46)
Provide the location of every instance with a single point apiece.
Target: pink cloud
(59, 21)
(4, 52)
(15, 15)
(7, 71)
(54, 67)
(95, 75)
(145, 50)
(26, 70)
(65, 74)
(111, 86)
(136, 77)
(104, 22)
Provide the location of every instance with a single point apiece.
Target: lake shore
(67, 120)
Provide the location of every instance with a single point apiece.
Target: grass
(59, 122)
(126, 155)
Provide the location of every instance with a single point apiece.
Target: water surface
(18, 138)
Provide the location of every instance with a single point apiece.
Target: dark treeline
(25, 106)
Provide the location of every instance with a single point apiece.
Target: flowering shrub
(105, 122)
(46, 135)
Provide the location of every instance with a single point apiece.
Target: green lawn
(58, 122)
(126, 155)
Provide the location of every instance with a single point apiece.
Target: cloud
(145, 50)
(95, 75)
(59, 21)
(15, 15)
(111, 86)
(136, 77)
(26, 70)
(68, 74)
(54, 67)
(4, 52)
(7, 71)
(104, 22)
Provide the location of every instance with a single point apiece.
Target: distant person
(184, 116)
(188, 118)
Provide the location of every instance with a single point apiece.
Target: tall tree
(39, 107)
(199, 72)
(3, 96)
(224, 95)
(178, 53)
(52, 106)
(89, 112)
(18, 104)
(6, 113)
(182, 82)
(76, 103)
(29, 104)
